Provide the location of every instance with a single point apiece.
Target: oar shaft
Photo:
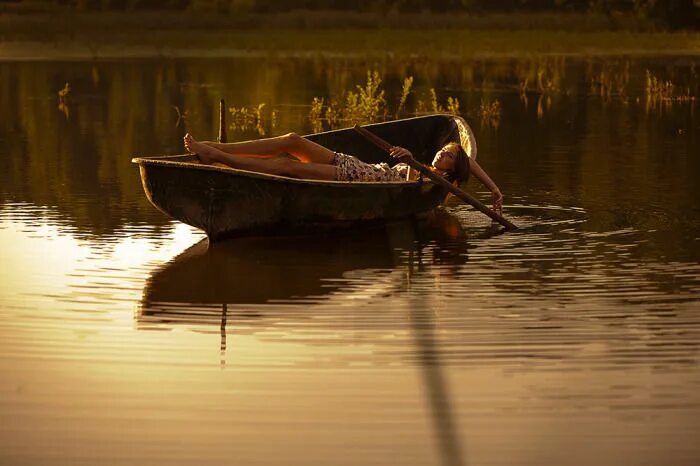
(222, 122)
(413, 163)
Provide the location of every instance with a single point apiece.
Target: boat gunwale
(160, 160)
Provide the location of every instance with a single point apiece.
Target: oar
(413, 163)
(222, 121)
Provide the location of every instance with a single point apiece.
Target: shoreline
(353, 44)
(68, 36)
(24, 52)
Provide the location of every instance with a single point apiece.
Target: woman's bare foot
(201, 150)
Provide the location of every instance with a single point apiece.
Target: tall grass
(405, 90)
(243, 119)
(367, 104)
(543, 80)
(662, 93)
(490, 113)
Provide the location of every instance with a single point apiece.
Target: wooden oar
(222, 121)
(413, 163)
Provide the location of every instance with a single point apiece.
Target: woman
(316, 162)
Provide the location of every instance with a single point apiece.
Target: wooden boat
(224, 201)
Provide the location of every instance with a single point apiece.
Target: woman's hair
(461, 168)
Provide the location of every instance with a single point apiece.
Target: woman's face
(445, 159)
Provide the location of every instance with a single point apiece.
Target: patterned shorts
(349, 168)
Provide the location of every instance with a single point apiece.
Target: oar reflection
(428, 356)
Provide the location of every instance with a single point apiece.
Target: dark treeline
(674, 14)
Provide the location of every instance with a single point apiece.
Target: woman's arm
(485, 179)
(401, 154)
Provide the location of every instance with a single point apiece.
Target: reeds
(490, 113)
(251, 118)
(662, 93)
(368, 104)
(63, 100)
(542, 79)
(405, 90)
(657, 88)
(434, 104)
(315, 114)
(453, 105)
(610, 81)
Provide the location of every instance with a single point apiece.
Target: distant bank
(66, 35)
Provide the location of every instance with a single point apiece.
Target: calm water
(125, 339)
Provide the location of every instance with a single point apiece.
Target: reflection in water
(573, 341)
(232, 274)
(63, 100)
(193, 287)
(254, 271)
(437, 393)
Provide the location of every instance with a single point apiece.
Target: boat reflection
(194, 286)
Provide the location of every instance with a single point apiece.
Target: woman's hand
(497, 200)
(401, 154)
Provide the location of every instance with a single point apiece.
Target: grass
(405, 91)
(490, 113)
(367, 104)
(251, 118)
(113, 35)
(662, 94)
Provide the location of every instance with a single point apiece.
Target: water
(125, 339)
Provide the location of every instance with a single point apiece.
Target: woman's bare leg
(292, 143)
(278, 166)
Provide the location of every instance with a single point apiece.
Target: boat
(226, 202)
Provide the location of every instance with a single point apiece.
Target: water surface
(126, 339)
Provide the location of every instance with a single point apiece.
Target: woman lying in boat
(316, 162)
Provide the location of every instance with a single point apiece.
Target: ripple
(572, 340)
